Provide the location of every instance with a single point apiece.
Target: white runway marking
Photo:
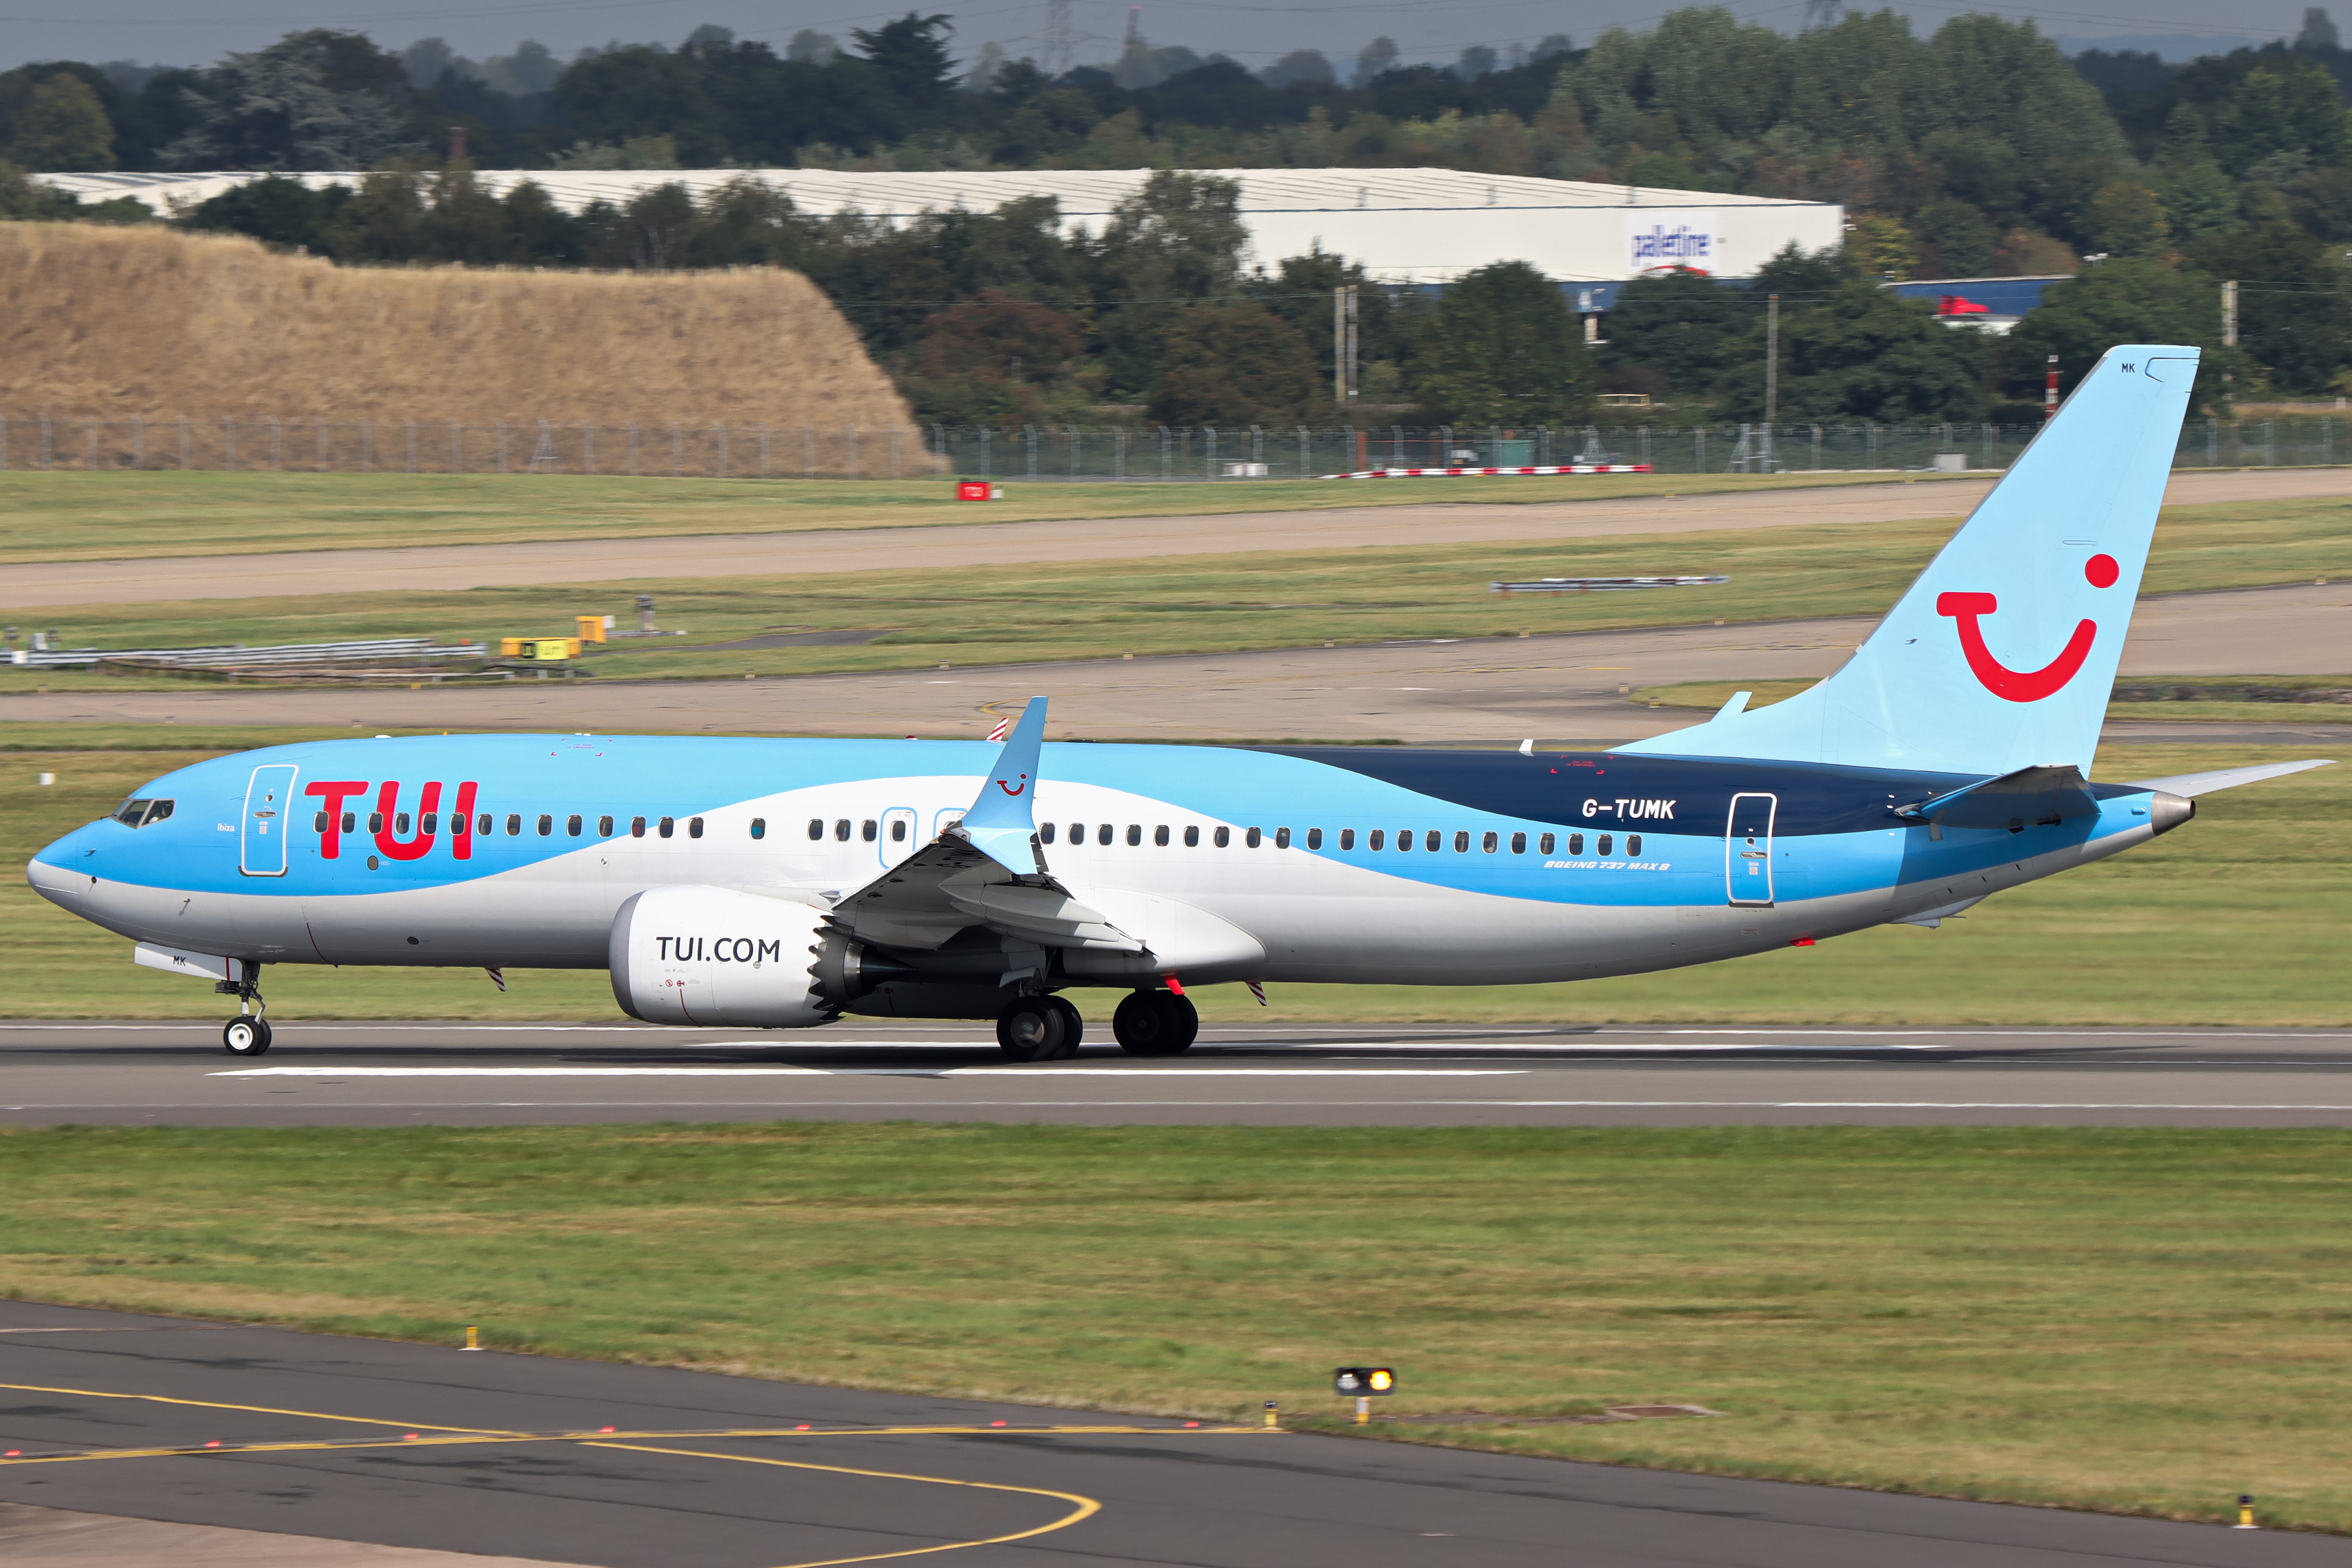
(876, 1072)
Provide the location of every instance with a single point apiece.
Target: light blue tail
(2003, 653)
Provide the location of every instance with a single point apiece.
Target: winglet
(1001, 823)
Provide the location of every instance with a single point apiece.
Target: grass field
(1196, 603)
(2238, 917)
(107, 515)
(2143, 1322)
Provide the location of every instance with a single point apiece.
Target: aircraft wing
(985, 870)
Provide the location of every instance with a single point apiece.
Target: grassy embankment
(2236, 919)
(1199, 604)
(2143, 1322)
(111, 515)
(1710, 695)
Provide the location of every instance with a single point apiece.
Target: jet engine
(713, 955)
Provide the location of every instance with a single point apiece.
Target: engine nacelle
(712, 955)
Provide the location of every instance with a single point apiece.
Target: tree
(1302, 67)
(2127, 301)
(2297, 321)
(59, 123)
(994, 360)
(2126, 218)
(1176, 242)
(1850, 350)
(1233, 366)
(1502, 349)
(280, 212)
(2292, 107)
(316, 100)
(1677, 326)
(912, 56)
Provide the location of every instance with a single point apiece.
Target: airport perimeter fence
(1062, 454)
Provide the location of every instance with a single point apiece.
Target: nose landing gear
(248, 1034)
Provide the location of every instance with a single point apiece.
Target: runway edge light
(1363, 1382)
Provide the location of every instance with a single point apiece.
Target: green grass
(2147, 1321)
(1193, 604)
(2235, 919)
(110, 515)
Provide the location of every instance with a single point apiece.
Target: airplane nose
(2166, 811)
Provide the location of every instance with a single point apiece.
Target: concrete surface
(1275, 1073)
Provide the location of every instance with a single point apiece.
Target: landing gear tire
(246, 1036)
(1032, 1029)
(1155, 1023)
(1073, 1027)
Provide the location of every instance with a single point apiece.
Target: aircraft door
(943, 820)
(268, 817)
(1747, 849)
(899, 839)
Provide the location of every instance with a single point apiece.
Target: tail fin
(2003, 653)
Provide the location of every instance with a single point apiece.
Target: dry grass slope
(117, 322)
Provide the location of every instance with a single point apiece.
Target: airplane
(777, 883)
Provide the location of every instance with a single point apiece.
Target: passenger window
(1544, 844)
(514, 825)
(1102, 834)
(1378, 840)
(1489, 843)
(432, 823)
(840, 831)
(1519, 843)
(1432, 842)
(898, 831)
(759, 827)
(1251, 837)
(1134, 833)
(1223, 836)
(318, 825)
(1404, 839)
(482, 824)
(400, 823)
(1461, 844)
(1346, 838)
(694, 827)
(870, 830)
(1608, 842)
(1575, 842)
(667, 825)
(546, 824)
(571, 825)
(1282, 838)
(816, 829)
(458, 825)
(1192, 837)
(636, 827)
(346, 823)
(604, 827)
(1159, 835)
(1078, 833)
(1314, 838)
(1044, 831)
(1634, 845)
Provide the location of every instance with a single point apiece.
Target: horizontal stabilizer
(2042, 796)
(2190, 785)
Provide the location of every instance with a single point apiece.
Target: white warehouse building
(1403, 226)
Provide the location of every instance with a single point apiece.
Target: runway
(470, 1075)
(1570, 688)
(316, 1439)
(441, 568)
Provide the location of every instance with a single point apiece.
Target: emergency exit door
(269, 817)
(1747, 849)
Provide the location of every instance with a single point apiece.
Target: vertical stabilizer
(2003, 653)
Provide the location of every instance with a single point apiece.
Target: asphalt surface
(440, 568)
(1566, 688)
(631, 1467)
(435, 1074)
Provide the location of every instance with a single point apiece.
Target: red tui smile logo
(2024, 685)
(1013, 789)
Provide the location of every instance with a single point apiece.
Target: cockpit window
(142, 813)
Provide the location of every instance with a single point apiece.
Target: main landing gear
(1040, 1029)
(1155, 1023)
(248, 1034)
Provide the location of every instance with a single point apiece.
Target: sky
(197, 31)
